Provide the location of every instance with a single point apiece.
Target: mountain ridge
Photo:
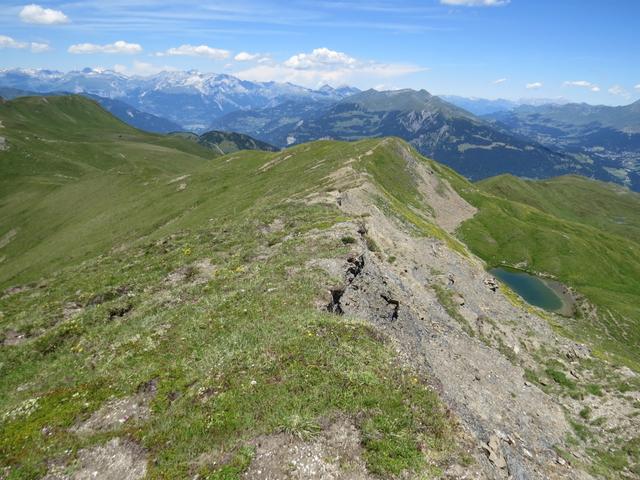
(436, 128)
(226, 142)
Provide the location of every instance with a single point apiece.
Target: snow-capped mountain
(189, 98)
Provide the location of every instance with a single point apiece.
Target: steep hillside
(134, 117)
(606, 206)
(57, 152)
(262, 314)
(226, 142)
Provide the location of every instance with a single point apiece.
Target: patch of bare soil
(276, 225)
(117, 459)
(115, 413)
(200, 271)
(272, 163)
(12, 338)
(334, 454)
(7, 237)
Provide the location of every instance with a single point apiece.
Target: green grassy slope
(115, 250)
(70, 166)
(606, 206)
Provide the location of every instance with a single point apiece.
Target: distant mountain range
(477, 137)
(190, 99)
(483, 106)
(609, 137)
(454, 136)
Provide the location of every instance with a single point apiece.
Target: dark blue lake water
(529, 287)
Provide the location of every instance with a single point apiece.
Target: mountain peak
(402, 100)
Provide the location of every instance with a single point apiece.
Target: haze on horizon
(581, 51)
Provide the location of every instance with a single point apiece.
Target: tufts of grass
(561, 378)
(594, 389)
(372, 246)
(347, 240)
(445, 297)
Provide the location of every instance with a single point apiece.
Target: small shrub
(301, 427)
(585, 413)
(348, 240)
(371, 245)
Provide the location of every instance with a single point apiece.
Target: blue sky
(581, 50)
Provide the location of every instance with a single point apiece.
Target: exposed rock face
(516, 425)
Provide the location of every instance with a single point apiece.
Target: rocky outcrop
(474, 345)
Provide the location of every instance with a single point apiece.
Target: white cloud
(475, 3)
(8, 42)
(117, 47)
(499, 81)
(533, 86)
(620, 91)
(324, 66)
(385, 88)
(44, 16)
(196, 51)
(141, 68)
(637, 87)
(35, 47)
(582, 84)
(320, 58)
(252, 57)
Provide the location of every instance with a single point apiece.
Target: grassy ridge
(226, 142)
(114, 244)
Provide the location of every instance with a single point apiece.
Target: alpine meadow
(319, 240)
